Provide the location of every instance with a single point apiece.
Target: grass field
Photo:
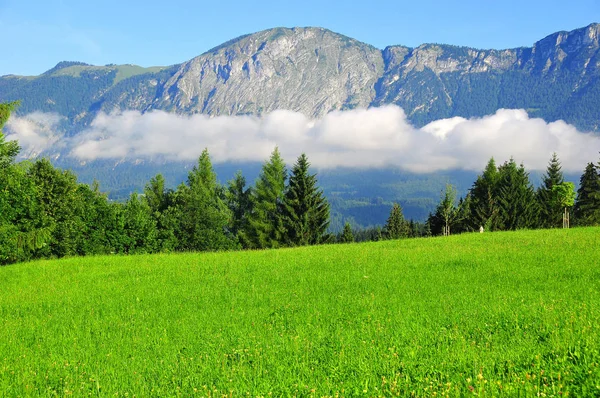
(488, 314)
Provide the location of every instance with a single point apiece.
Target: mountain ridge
(313, 70)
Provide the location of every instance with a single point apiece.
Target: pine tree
(239, 201)
(464, 221)
(305, 209)
(347, 236)
(550, 210)
(204, 215)
(587, 205)
(156, 195)
(396, 226)
(265, 224)
(517, 206)
(484, 203)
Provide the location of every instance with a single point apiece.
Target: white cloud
(35, 132)
(361, 138)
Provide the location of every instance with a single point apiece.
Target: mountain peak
(63, 65)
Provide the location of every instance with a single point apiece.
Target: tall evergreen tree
(484, 202)
(265, 224)
(587, 205)
(463, 215)
(239, 201)
(305, 209)
(517, 205)
(204, 215)
(346, 236)
(550, 209)
(156, 195)
(396, 226)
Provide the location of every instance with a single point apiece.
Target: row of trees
(46, 213)
(503, 198)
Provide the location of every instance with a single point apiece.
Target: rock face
(310, 70)
(315, 71)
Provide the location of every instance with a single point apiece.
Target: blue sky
(38, 34)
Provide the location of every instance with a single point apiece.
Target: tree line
(503, 198)
(46, 213)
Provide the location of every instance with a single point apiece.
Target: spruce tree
(204, 215)
(347, 236)
(587, 205)
(396, 226)
(550, 210)
(484, 203)
(517, 205)
(265, 223)
(239, 201)
(305, 209)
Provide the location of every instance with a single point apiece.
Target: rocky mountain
(315, 71)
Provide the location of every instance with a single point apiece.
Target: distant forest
(46, 213)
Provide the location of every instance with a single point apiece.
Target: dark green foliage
(587, 206)
(484, 206)
(346, 236)
(550, 210)
(204, 216)
(139, 227)
(517, 207)
(8, 150)
(265, 223)
(60, 206)
(305, 210)
(396, 226)
(239, 202)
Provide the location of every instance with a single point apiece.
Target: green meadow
(493, 314)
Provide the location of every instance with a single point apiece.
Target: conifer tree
(550, 209)
(305, 210)
(396, 226)
(587, 205)
(484, 202)
(156, 195)
(204, 215)
(239, 201)
(464, 221)
(347, 236)
(265, 223)
(517, 206)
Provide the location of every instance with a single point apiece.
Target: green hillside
(509, 314)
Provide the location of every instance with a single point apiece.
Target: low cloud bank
(375, 138)
(36, 132)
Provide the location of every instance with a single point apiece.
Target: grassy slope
(485, 313)
(123, 71)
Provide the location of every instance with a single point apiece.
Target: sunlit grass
(492, 314)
